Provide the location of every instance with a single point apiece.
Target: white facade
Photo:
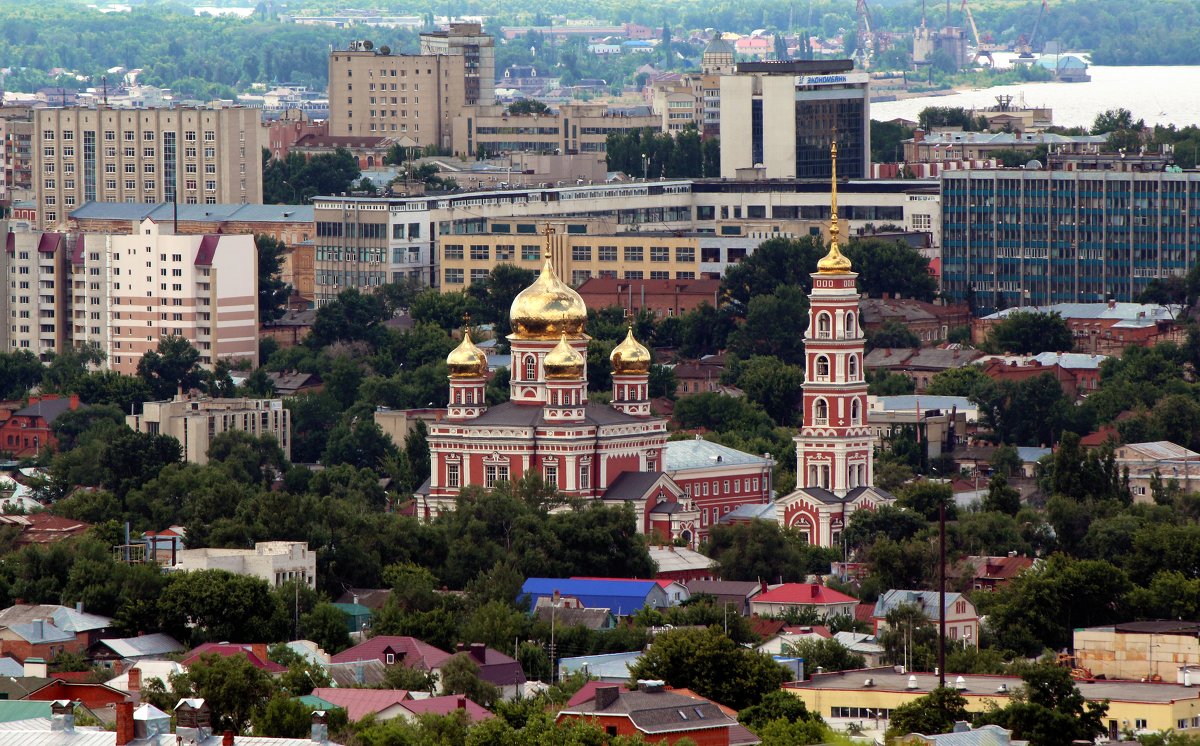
(276, 562)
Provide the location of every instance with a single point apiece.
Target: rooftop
(165, 212)
(698, 453)
(658, 711)
(1114, 310)
(804, 594)
(680, 559)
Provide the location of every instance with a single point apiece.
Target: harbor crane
(980, 51)
(1025, 46)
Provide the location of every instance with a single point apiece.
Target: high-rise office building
(478, 50)
(189, 155)
(778, 118)
(1013, 237)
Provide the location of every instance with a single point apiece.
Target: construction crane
(864, 34)
(1025, 46)
(979, 50)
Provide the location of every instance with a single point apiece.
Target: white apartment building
(276, 562)
(132, 290)
(37, 270)
(189, 155)
(195, 421)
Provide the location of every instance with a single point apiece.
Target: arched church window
(530, 367)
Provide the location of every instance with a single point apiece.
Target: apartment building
(413, 96)
(16, 153)
(572, 128)
(129, 291)
(364, 242)
(195, 421)
(778, 119)
(189, 155)
(38, 269)
(694, 99)
(1020, 237)
(276, 562)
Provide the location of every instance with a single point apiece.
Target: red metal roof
(805, 594)
(446, 705)
(208, 249)
(227, 650)
(359, 703)
(49, 242)
(409, 651)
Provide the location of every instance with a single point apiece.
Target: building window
(480, 252)
(494, 473)
(454, 276)
(551, 475)
(451, 475)
(660, 254)
(585, 476)
(855, 412)
(634, 254)
(820, 412)
(581, 253)
(822, 368)
(851, 327)
(530, 253)
(607, 253)
(852, 367)
(823, 326)
(530, 368)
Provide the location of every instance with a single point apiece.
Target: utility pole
(942, 594)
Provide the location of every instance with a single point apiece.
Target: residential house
(863, 644)
(294, 382)
(276, 562)
(919, 364)
(781, 599)
(394, 650)
(115, 652)
(255, 653)
(988, 573)
(42, 528)
(29, 430)
(735, 594)
(144, 671)
(496, 668)
(682, 564)
(621, 597)
(700, 376)
(445, 705)
(1163, 460)
(93, 696)
(787, 635)
(373, 598)
(383, 704)
(358, 617)
(655, 714)
(962, 621)
(45, 630)
(569, 616)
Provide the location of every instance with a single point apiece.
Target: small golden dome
(833, 263)
(630, 356)
(547, 309)
(467, 360)
(564, 361)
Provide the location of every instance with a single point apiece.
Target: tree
(126, 393)
(232, 686)
(890, 521)
(935, 713)
(826, 654)
(273, 292)
(891, 268)
(360, 443)
(1030, 333)
(772, 325)
(69, 426)
(69, 365)
(1000, 497)
(20, 370)
(712, 665)
(326, 626)
(1051, 710)
(774, 385)
(965, 381)
(776, 261)
(130, 459)
(352, 316)
(527, 106)
(460, 675)
(205, 605)
(926, 498)
(494, 296)
(174, 366)
(764, 549)
(882, 382)
(1005, 460)
(892, 334)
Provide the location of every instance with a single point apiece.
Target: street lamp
(293, 187)
(645, 166)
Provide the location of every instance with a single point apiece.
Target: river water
(1160, 95)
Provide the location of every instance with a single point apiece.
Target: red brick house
(93, 696)
(658, 715)
(663, 297)
(27, 431)
(45, 630)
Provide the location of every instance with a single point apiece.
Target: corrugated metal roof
(679, 559)
(699, 454)
(910, 402)
(1096, 311)
(166, 211)
(145, 645)
(1160, 450)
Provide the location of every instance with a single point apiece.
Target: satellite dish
(385, 50)
(368, 45)
(1034, 164)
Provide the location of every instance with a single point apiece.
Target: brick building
(369, 151)
(28, 431)
(1102, 328)
(661, 297)
(1077, 373)
(931, 322)
(283, 133)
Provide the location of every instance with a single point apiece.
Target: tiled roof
(698, 453)
(408, 650)
(359, 703)
(805, 594)
(496, 667)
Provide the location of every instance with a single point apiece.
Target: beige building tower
(189, 155)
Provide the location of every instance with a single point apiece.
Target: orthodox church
(617, 452)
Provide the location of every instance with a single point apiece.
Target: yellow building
(590, 252)
(869, 695)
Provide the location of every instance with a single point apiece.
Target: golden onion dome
(630, 356)
(833, 263)
(564, 361)
(547, 309)
(467, 360)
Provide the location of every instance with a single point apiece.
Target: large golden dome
(547, 309)
(630, 356)
(835, 262)
(564, 361)
(467, 360)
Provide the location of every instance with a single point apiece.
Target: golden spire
(630, 357)
(833, 263)
(549, 307)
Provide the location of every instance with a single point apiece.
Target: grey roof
(820, 494)
(677, 559)
(910, 402)
(870, 491)
(660, 711)
(11, 667)
(698, 453)
(530, 415)
(603, 666)
(1071, 360)
(1009, 138)
(357, 673)
(988, 735)
(750, 512)
(156, 644)
(48, 409)
(40, 632)
(926, 600)
(632, 485)
(1127, 311)
(719, 46)
(930, 358)
(165, 211)
(743, 588)
(667, 507)
(576, 617)
(1032, 454)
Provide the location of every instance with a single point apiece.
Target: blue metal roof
(698, 453)
(621, 597)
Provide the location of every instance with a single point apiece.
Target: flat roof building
(194, 422)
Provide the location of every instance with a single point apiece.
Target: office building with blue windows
(1017, 237)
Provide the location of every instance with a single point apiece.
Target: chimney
(125, 731)
(320, 727)
(1112, 303)
(479, 651)
(193, 720)
(39, 628)
(762, 584)
(135, 680)
(62, 716)
(74, 402)
(606, 696)
(462, 703)
(227, 739)
(35, 667)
